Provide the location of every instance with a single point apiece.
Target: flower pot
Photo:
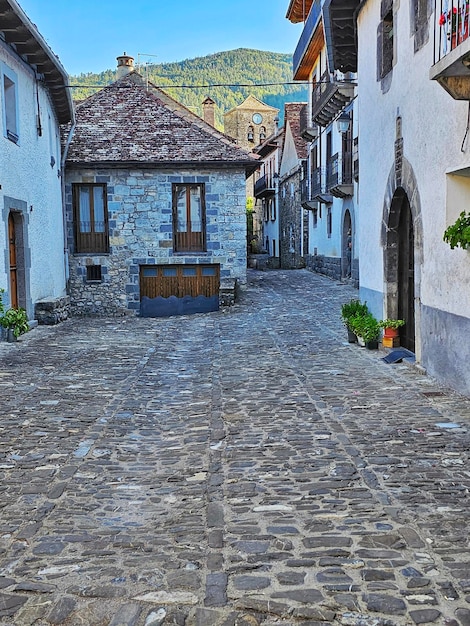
(361, 341)
(352, 338)
(372, 345)
(391, 332)
(10, 336)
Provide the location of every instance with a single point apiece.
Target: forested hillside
(237, 68)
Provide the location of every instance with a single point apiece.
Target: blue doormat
(395, 356)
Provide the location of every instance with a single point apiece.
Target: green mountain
(191, 80)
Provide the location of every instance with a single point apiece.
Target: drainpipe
(64, 213)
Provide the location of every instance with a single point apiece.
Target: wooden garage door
(185, 288)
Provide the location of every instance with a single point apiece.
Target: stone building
(155, 204)
(293, 225)
(34, 101)
(250, 124)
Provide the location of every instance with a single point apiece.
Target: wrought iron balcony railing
(329, 97)
(308, 128)
(340, 176)
(452, 47)
(264, 186)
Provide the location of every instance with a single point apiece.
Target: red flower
(454, 10)
(442, 19)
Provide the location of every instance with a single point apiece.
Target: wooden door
(179, 289)
(13, 260)
(406, 281)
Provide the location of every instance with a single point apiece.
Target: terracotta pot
(391, 332)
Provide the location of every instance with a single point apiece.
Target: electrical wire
(298, 83)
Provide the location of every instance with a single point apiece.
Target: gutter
(64, 213)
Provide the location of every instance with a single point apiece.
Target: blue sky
(88, 35)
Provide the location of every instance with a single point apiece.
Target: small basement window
(93, 274)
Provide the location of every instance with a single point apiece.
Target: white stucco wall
(27, 176)
(433, 131)
(321, 243)
(433, 128)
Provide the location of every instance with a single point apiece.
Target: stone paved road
(237, 468)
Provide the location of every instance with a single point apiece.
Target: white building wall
(433, 129)
(321, 242)
(27, 178)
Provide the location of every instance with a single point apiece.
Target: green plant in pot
(16, 321)
(349, 310)
(367, 328)
(458, 233)
(391, 326)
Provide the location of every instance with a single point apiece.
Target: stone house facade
(250, 124)
(293, 218)
(34, 101)
(155, 205)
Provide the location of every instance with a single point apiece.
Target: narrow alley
(236, 468)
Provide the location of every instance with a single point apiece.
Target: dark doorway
(406, 275)
(347, 246)
(13, 262)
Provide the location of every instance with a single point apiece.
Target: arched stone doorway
(402, 245)
(401, 267)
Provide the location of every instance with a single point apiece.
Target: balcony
(319, 190)
(264, 187)
(310, 43)
(308, 128)
(339, 175)
(452, 48)
(329, 98)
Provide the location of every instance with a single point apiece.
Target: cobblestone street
(236, 468)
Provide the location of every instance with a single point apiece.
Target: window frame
(10, 104)
(189, 241)
(386, 39)
(90, 241)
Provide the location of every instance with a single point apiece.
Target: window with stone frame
(90, 213)
(385, 40)
(189, 217)
(421, 12)
(9, 93)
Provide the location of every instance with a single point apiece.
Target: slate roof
(132, 122)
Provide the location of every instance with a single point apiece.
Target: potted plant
(349, 310)
(15, 321)
(458, 233)
(367, 328)
(391, 337)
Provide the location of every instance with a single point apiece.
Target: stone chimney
(125, 65)
(208, 107)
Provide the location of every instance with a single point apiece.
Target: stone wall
(331, 267)
(290, 217)
(50, 311)
(140, 229)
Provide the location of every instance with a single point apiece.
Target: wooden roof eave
(23, 36)
(298, 10)
(312, 52)
(242, 164)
